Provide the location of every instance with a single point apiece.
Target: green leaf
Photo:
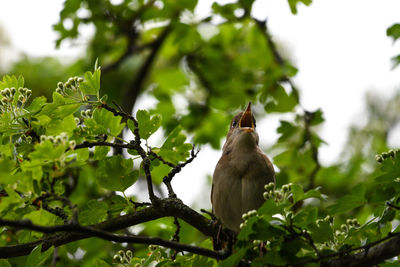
(104, 122)
(174, 148)
(159, 172)
(171, 78)
(298, 193)
(270, 208)
(234, 259)
(93, 212)
(116, 173)
(82, 154)
(293, 4)
(100, 152)
(37, 104)
(47, 151)
(91, 85)
(37, 257)
(286, 129)
(41, 217)
(57, 126)
(318, 117)
(101, 263)
(281, 102)
(118, 204)
(12, 81)
(60, 108)
(305, 216)
(227, 11)
(147, 125)
(6, 167)
(274, 258)
(4, 263)
(394, 31)
(349, 202)
(395, 61)
(321, 232)
(11, 201)
(246, 4)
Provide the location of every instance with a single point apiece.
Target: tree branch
(136, 86)
(70, 232)
(374, 253)
(132, 33)
(94, 232)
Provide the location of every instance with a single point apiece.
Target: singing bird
(241, 172)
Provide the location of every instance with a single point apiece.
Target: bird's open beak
(247, 118)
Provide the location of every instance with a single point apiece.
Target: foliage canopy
(62, 161)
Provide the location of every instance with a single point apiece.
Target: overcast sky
(339, 46)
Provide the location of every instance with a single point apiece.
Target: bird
(241, 173)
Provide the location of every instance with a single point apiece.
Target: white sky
(339, 46)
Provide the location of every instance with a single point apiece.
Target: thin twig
(390, 204)
(213, 217)
(167, 179)
(135, 144)
(175, 237)
(308, 117)
(153, 154)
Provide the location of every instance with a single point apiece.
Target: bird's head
(242, 133)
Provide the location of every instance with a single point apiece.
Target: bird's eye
(234, 124)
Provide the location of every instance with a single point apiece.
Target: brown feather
(240, 175)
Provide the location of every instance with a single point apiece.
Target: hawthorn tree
(66, 162)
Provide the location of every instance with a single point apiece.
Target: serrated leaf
(91, 85)
(60, 108)
(57, 126)
(286, 129)
(293, 4)
(12, 81)
(394, 31)
(37, 104)
(104, 122)
(282, 101)
(174, 148)
(116, 173)
(93, 212)
(147, 125)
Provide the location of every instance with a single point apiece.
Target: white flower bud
(72, 144)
